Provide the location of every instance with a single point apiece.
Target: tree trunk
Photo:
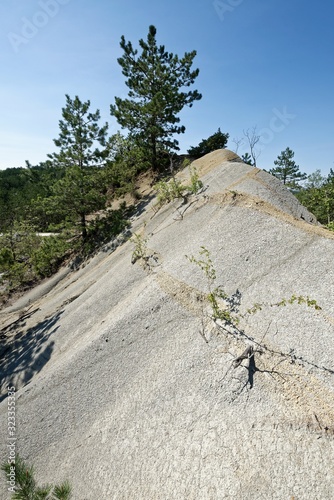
(154, 161)
(83, 226)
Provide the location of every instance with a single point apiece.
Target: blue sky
(264, 63)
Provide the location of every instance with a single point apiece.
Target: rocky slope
(126, 386)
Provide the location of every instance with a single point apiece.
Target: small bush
(50, 255)
(174, 189)
(169, 191)
(16, 250)
(105, 228)
(186, 163)
(330, 226)
(140, 250)
(195, 183)
(215, 292)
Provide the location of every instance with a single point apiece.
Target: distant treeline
(70, 194)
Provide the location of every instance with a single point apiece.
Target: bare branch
(248, 352)
(238, 142)
(253, 138)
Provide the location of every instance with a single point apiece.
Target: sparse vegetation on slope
(227, 318)
(174, 189)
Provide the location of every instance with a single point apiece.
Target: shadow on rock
(25, 353)
(143, 204)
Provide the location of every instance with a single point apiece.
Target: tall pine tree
(286, 169)
(80, 191)
(157, 82)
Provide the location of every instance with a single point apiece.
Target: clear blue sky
(267, 63)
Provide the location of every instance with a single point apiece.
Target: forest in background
(70, 195)
(39, 200)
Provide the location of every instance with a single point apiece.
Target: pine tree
(246, 158)
(157, 82)
(218, 140)
(26, 487)
(80, 191)
(287, 170)
(318, 196)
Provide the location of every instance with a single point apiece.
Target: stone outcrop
(128, 388)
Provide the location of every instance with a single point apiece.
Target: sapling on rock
(227, 318)
(25, 486)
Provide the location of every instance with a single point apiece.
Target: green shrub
(104, 228)
(224, 311)
(330, 226)
(174, 189)
(186, 163)
(50, 255)
(16, 250)
(6, 259)
(140, 250)
(214, 292)
(169, 191)
(195, 183)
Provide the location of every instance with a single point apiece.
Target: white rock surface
(117, 389)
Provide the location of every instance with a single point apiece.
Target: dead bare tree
(238, 142)
(253, 138)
